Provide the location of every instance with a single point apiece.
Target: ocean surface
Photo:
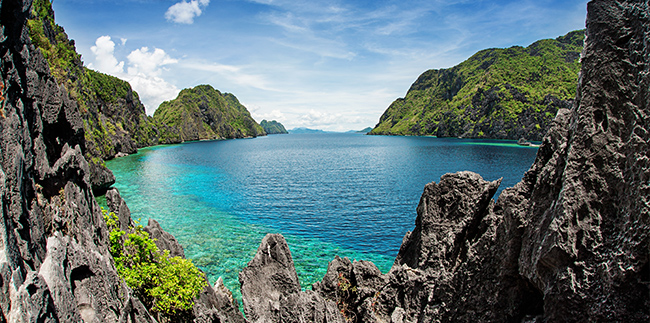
(329, 194)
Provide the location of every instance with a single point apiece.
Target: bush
(165, 285)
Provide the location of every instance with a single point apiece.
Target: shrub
(165, 285)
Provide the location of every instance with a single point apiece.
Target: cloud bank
(184, 12)
(144, 71)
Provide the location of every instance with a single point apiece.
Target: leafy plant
(165, 285)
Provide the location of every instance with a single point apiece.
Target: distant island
(203, 112)
(363, 131)
(302, 130)
(273, 127)
(509, 93)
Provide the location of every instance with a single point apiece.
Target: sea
(334, 194)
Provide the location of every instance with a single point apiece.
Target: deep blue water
(328, 194)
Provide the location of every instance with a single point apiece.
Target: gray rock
(164, 240)
(54, 260)
(271, 291)
(267, 277)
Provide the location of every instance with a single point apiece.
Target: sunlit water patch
(328, 194)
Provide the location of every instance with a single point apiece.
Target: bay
(329, 194)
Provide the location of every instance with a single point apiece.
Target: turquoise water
(328, 194)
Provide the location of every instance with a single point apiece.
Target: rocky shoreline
(570, 242)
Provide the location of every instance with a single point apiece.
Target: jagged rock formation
(271, 291)
(205, 113)
(54, 260)
(213, 304)
(273, 127)
(114, 119)
(569, 243)
(508, 93)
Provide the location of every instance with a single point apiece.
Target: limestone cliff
(569, 243)
(54, 261)
(509, 93)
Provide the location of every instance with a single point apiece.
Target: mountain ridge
(509, 93)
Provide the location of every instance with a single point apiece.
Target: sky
(322, 64)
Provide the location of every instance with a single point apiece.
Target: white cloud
(105, 60)
(184, 12)
(143, 73)
(141, 61)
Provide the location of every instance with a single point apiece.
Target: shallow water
(328, 194)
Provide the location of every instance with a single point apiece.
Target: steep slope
(273, 127)
(115, 121)
(54, 264)
(497, 93)
(205, 113)
(569, 243)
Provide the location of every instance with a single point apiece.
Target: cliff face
(55, 264)
(114, 119)
(570, 242)
(54, 261)
(205, 113)
(497, 93)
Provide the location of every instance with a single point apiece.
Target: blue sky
(326, 64)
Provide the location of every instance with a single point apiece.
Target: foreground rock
(569, 243)
(271, 291)
(54, 260)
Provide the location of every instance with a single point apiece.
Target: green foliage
(205, 113)
(104, 87)
(166, 285)
(59, 51)
(491, 93)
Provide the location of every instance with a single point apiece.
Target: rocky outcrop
(569, 243)
(271, 291)
(54, 260)
(273, 127)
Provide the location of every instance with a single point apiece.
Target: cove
(349, 195)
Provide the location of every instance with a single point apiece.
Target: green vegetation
(165, 285)
(65, 63)
(205, 113)
(114, 118)
(273, 127)
(497, 93)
